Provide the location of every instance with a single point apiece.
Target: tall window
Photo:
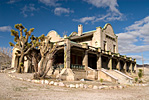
(105, 46)
(114, 48)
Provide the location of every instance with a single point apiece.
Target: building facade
(89, 53)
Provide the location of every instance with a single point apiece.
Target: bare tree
(22, 43)
(47, 51)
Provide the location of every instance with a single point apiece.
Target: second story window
(105, 46)
(114, 48)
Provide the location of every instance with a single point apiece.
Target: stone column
(125, 67)
(135, 68)
(67, 53)
(27, 64)
(110, 63)
(130, 67)
(14, 62)
(66, 72)
(99, 62)
(85, 59)
(118, 65)
(99, 65)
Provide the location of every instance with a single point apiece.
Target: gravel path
(11, 89)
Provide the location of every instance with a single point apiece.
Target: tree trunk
(35, 64)
(44, 66)
(20, 61)
(48, 66)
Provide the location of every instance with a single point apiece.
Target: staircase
(122, 78)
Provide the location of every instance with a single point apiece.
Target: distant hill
(145, 65)
(5, 61)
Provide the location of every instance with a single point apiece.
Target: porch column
(99, 61)
(67, 48)
(110, 63)
(118, 65)
(130, 67)
(135, 68)
(125, 67)
(27, 64)
(85, 59)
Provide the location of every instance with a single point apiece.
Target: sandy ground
(11, 89)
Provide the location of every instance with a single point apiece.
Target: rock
(37, 81)
(101, 87)
(144, 84)
(55, 83)
(77, 85)
(95, 87)
(120, 87)
(140, 85)
(81, 85)
(67, 85)
(124, 86)
(46, 82)
(52, 82)
(21, 78)
(29, 80)
(106, 87)
(61, 84)
(115, 87)
(85, 86)
(72, 86)
(82, 80)
(42, 82)
(90, 86)
(13, 71)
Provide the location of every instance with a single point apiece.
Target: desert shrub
(136, 79)
(140, 70)
(140, 74)
(101, 80)
(21, 64)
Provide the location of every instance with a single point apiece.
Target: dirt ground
(12, 89)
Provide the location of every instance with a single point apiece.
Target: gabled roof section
(73, 34)
(54, 36)
(82, 36)
(108, 30)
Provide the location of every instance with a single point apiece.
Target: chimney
(80, 30)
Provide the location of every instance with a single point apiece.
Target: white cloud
(136, 33)
(112, 4)
(108, 17)
(111, 14)
(50, 2)
(28, 10)
(5, 28)
(12, 1)
(85, 19)
(137, 57)
(59, 10)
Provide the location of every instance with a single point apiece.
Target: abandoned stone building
(91, 55)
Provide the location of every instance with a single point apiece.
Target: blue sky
(129, 18)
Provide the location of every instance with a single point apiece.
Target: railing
(73, 66)
(76, 66)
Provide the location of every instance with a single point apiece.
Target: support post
(135, 68)
(125, 67)
(67, 53)
(99, 65)
(110, 63)
(66, 71)
(130, 67)
(118, 65)
(99, 61)
(85, 59)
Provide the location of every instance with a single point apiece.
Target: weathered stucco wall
(110, 38)
(54, 36)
